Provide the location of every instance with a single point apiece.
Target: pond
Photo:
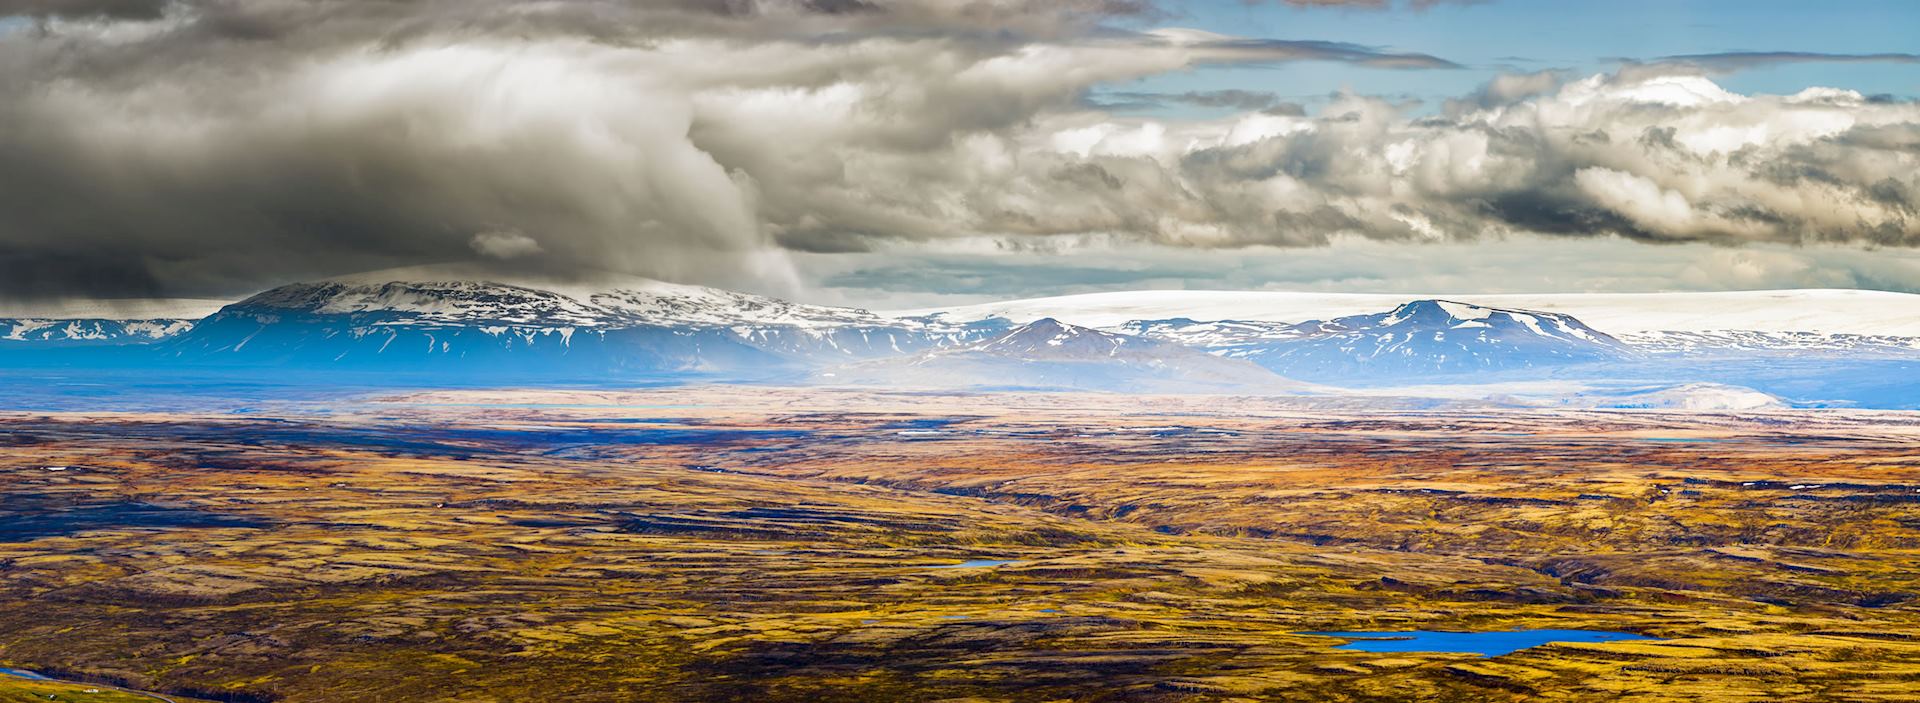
(1486, 644)
(974, 564)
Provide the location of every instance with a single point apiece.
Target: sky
(909, 153)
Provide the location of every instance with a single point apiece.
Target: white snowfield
(1826, 312)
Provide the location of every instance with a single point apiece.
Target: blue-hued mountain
(426, 320)
(1420, 338)
(1049, 355)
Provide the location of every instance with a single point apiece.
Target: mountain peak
(1048, 325)
(1442, 336)
(1053, 338)
(1435, 309)
(1452, 314)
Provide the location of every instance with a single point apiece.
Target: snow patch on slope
(63, 332)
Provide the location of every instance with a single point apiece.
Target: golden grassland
(16, 690)
(796, 545)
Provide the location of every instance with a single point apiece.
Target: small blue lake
(1486, 644)
(22, 674)
(974, 564)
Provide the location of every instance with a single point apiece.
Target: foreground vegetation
(769, 545)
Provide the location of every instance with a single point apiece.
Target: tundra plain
(769, 544)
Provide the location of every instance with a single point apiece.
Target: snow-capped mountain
(48, 332)
(66, 323)
(1048, 354)
(1420, 338)
(1836, 312)
(435, 320)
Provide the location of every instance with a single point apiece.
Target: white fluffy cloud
(1666, 158)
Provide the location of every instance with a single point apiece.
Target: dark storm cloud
(990, 277)
(207, 146)
(119, 9)
(212, 146)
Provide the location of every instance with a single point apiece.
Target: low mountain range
(1417, 339)
(445, 323)
(57, 332)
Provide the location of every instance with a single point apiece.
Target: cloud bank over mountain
(204, 147)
